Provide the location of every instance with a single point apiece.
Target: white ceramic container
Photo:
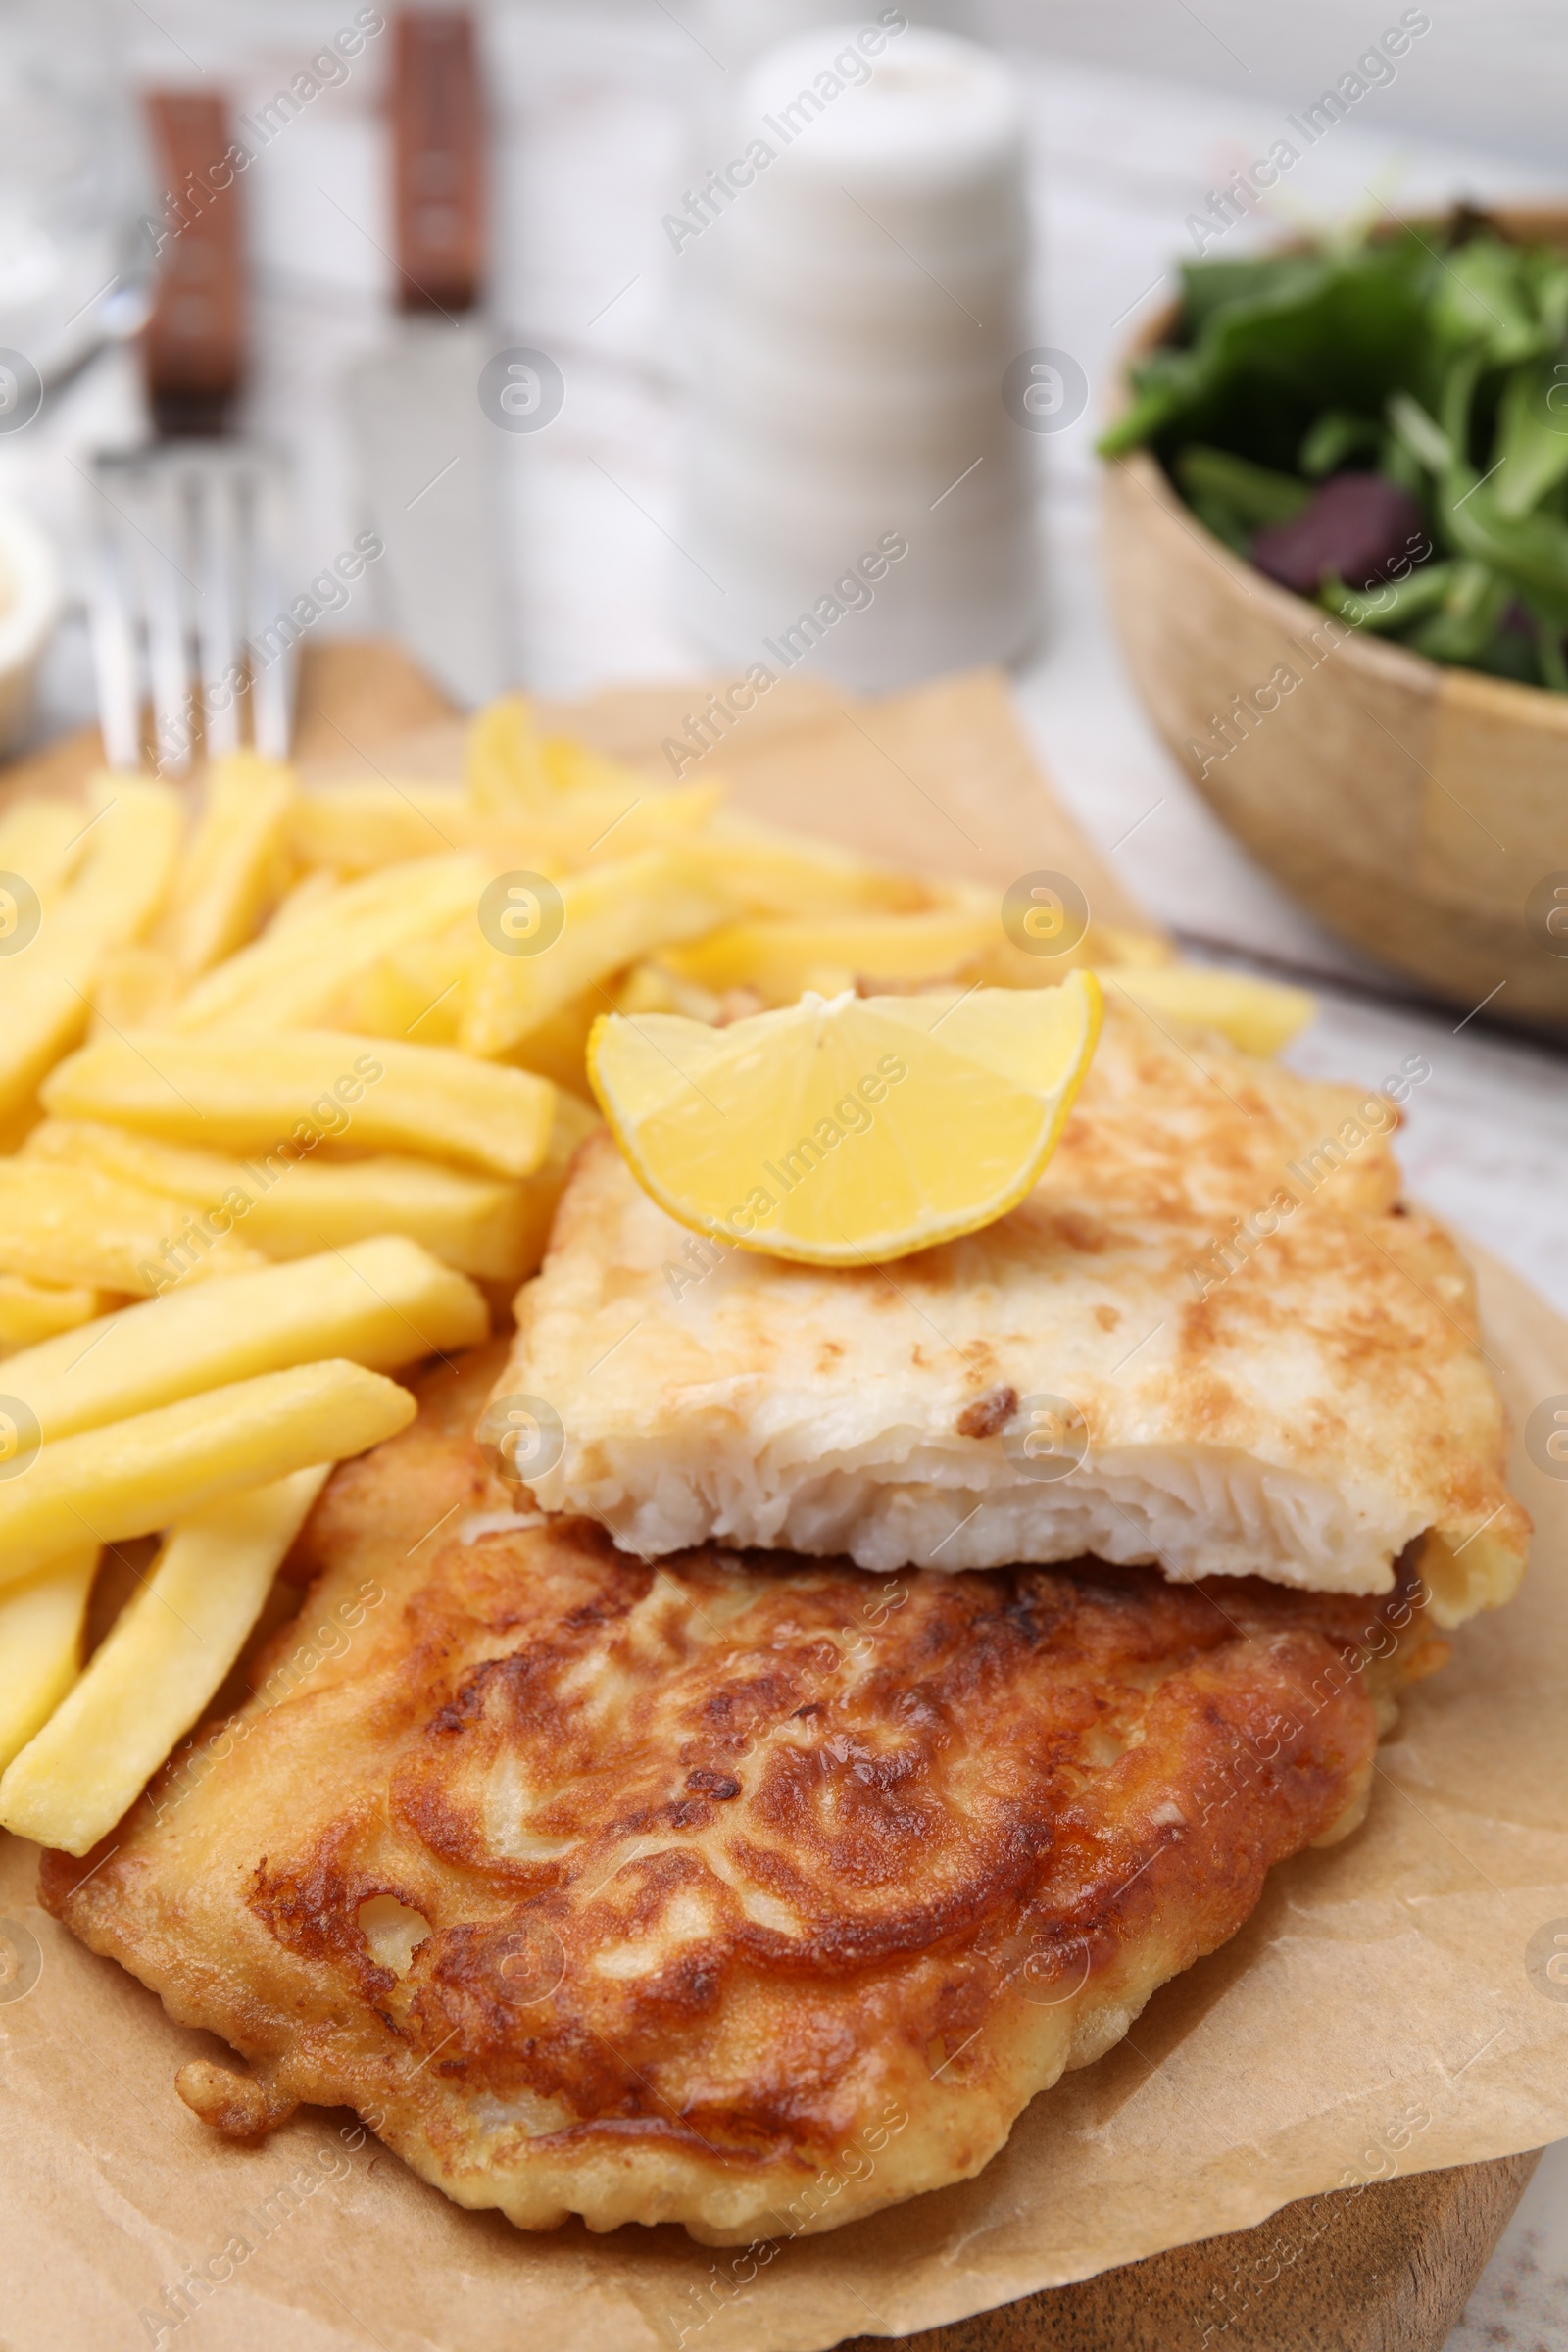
(856, 486)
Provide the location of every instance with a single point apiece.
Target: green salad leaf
(1435, 357)
(1532, 444)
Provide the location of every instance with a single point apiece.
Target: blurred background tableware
(75, 271)
(29, 605)
(737, 30)
(1418, 810)
(855, 488)
(186, 586)
(425, 439)
(75, 264)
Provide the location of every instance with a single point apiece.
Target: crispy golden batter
(1304, 1416)
(751, 1893)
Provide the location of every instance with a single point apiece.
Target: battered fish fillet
(1082, 1376)
(741, 1892)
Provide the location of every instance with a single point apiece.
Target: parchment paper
(1387, 2009)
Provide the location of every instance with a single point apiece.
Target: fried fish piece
(743, 1892)
(1211, 1336)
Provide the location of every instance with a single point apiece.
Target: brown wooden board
(1384, 2269)
(1388, 2270)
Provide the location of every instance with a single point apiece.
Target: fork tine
(271, 671)
(166, 554)
(218, 630)
(113, 636)
(188, 566)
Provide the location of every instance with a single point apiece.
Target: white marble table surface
(598, 113)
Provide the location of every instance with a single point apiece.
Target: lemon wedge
(848, 1129)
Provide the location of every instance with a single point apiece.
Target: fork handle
(195, 341)
(437, 160)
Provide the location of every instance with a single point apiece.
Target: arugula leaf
(1254, 494)
(1531, 449)
(1421, 434)
(1549, 653)
(1337, 435)
(1457, 399)
(1394, 604)
(1484, 297)
(1397, 463)
(1468, 618)
(1208, 286)
(1530, 552)
(1547, 275)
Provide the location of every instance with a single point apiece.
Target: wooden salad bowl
(1419, 811)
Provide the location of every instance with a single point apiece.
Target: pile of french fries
(283, 1112)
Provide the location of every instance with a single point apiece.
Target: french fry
(296, 978)
(40, 1644)
(602, 809)
(512, 773)
(650, 987)
(594, 827)
(526, 785)
(131, 1478)
(615, 915)
(268, 1094)
(1004, 963)
(380, 1303)
(36, 1310)
(232, 864)
(415, 992)
(506, 773)
(131, 843)
(154, 1674)
(359, 828)
(131, 837)
(135, 987)
(1257, 1015)
(194, 1177)
(42, 841)
(574, 1122)
(558, 1049)
(78, 1228)
(781, 958)
(355, 828)
(768, 870)
(572, 767)
(309, 893)
(482, 1225)
(511, 762)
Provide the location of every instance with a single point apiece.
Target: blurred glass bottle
(76, 258)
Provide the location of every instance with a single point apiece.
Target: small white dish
(31, 596)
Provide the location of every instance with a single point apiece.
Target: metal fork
(185, 603)
(185, 594)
